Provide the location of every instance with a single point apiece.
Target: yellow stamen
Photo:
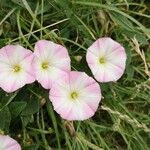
(45, 65)
(102, 60)
(74, 95)
(16, 68)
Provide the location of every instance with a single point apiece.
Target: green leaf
(6, 3)
(6, 99)
(16, 108)
(31, 147)
(20, 3)
(121, 21)
(27, 119)
(5, 119)
(131, 34)
(31, 108)
(130, 72)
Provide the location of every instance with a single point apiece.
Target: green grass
(122, 120)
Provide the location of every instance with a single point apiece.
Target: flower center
(16, 68)
(74, 95)
(102, 60)
(45, 65)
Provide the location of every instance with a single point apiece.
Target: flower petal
(57, 58)
(10, 56)
(87, 101)
(115, 59)
(7, 143)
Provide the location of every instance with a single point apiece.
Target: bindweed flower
(15, 67)
(106, 59)
(7, 143)
(50, 61)
(75, 96)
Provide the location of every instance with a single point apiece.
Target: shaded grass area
(122, 120)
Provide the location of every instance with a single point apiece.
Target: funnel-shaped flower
(106, 59)
(50, 61)
(75, 96)
(7, 143)
(15, 67)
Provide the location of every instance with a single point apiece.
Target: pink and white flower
(50, 60)
(75, 96)
(106, 59)
(15, 67)
(7, 143)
